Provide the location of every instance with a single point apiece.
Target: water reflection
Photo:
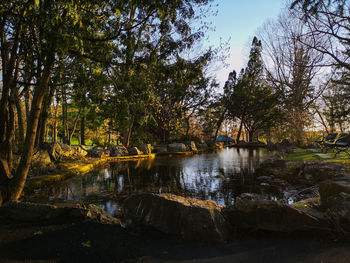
(220, 176)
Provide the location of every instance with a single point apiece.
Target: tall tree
(251, 100)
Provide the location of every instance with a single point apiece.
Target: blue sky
(239, 20)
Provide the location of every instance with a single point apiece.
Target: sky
(238, 20)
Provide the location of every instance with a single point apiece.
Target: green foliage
(250, 98)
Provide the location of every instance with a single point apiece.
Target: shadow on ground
(91, 242)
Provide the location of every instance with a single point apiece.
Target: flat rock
(271, 215)
(333, 187)
(188, 218)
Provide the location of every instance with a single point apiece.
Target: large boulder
(19, 212)
(41, 162)
(338, 207)
(330, 188)
(160, 149)
(269, 215)
(118, 150)
(146, 148)
(177, 147)
(189, 218)
(61, 151)
(134, 151)
(98, 153)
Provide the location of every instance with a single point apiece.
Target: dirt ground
(93, 242)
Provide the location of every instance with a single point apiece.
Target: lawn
(313, 154)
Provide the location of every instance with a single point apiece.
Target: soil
(94, 242)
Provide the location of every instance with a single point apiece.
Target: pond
(220, 176)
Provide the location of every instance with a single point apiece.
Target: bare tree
(292, 66)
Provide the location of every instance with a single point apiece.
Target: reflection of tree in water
(218, 176)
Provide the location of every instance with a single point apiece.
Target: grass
(307, 154)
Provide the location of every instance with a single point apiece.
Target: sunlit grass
(308, 154)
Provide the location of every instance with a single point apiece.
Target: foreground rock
(333, 187)
(268, 215)
(335, 200)
(191, 219)
(23, 212)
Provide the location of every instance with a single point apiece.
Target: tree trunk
(239, 131)
(27, 100)
(54, 129)
(218, 125)
(21, 120)
(127, 132)
(82, 130)
(16, 184)
(44, 116)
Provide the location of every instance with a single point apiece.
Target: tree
(327, 29)
(42, 41)
(250, 98)
(292, 67)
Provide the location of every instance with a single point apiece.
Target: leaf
(36, 3)
(37, 233)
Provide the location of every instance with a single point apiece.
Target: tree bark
(16, 184)
(127, 132)
(82, 130)
(239, 131)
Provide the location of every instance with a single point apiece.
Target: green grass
(307, 154)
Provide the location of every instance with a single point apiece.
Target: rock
(264, 178)
(118, 150)
(219, 145)
(307, 173)
(252, 196)
(333, 187)
(160, 149)
(177, 147)
(191, 146)
(271, 215)
(339, 207)
(61, 151)
(18, 212)
(317, 171)
(202, 146)
(134, 151)
(41, 162)
(189, 218)
(146, 148)
(98, 153)
(80, 150)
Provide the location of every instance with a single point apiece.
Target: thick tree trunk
(127, 132)
(16, 184)
(27, 100)
(21, 120)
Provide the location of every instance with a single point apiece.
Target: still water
(220, 176)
